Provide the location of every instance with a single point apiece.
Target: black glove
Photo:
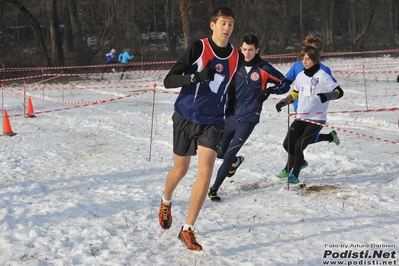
(207, 73)
(280, 105)
(323, 97)
(264, 94)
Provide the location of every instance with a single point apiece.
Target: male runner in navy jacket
(251, 91)
(205, 72)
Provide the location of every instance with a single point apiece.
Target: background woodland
(72, 32)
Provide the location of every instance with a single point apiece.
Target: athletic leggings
(124, 68)
(299, 136)
(235, 134)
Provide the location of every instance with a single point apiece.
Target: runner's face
(307, 62)
(222, 29)
(249, 51)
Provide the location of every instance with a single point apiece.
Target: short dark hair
(312, 52)
(251, 39)
(222, 11)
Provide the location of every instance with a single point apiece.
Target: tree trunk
(185, 21)
(328, 24)
(169, 17)
(282, 27)
(330, 29)
(68, 39)
(73, 17)
(302, 31)
(393, 18)
(359, 26)
(57, 54)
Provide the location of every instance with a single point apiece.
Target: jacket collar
(311, 71)
(254, 61)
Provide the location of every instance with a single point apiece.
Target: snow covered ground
(81, 183)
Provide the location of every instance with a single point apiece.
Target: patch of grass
(321, 189)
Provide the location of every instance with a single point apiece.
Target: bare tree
(393, 10)
(282, 26)
(57, 54)
(184, 6)
(62, 28)
(169, 11)
(327, 24)
(361, 19)
(74, 21)
(35, 24)
(301, 27)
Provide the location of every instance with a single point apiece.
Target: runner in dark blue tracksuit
(251, 91)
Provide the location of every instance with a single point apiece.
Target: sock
(331, 137)
(237, 162)
(188, 226)
(165, 200)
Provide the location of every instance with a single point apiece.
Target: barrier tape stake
(365, 90)
(42, 81)
(288, 142)
(62, 85)
(152, 120)
(2, 103)
(24, 98)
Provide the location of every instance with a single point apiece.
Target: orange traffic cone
(7, 131)
(30, 113)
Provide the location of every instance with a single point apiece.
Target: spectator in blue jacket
(251, 91)
(109, 58)
(124, 58)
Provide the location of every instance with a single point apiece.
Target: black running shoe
(233, 169)
(213, 194)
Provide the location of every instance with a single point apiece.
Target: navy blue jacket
(249, 85)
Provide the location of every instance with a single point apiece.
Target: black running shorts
(188, 135)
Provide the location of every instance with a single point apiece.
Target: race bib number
(307, 90)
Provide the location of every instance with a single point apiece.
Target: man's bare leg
(179, 170)
(206, 161)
